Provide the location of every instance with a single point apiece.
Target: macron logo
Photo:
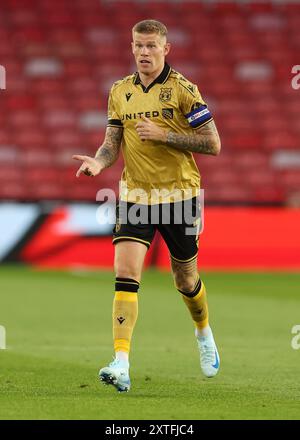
(121, 319)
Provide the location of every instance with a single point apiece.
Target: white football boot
(209, 356)
(116, 374)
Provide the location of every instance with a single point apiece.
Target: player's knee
(128, 273)
(127, 269)
(185, 284)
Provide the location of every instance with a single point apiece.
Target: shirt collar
(161, 79)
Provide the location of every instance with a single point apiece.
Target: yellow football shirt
(155, 172)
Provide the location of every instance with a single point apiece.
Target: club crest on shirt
(165, 94)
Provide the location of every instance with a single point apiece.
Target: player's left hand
(149, 131)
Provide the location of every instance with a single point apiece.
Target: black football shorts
(178, 223)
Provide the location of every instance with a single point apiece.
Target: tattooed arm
(205, 140)
(106, 155)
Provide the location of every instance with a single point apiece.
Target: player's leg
(181, 238)
(129, 259)
(131, 244)
(193, 293)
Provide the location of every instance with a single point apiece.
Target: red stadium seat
(65, 138)
(28, 138)
(23, 119)
(10, 173)
(6, 136)
(50, 191)
(269, 195)
(291, 179)
(260, 178)
(14, 191)
(54, 102)
(280, 140)
(247, 141)
(229, 194)
(35, 157)
(21, 102)
(249, 159)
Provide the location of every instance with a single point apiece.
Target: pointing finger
(79, 171)
(79, 157)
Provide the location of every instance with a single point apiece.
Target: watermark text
(296, 79)
(2, 78)
(2, 338)
(295, 342)
(159, 206)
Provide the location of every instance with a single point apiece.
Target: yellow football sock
(196, 302)
(125, 312)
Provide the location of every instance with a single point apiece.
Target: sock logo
(121, 319)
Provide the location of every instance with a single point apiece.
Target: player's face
(149, 51)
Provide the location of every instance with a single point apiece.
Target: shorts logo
(167, 113)
(117, 225)
(165, 94)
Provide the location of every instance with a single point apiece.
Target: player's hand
(148, 130)
(90, 166)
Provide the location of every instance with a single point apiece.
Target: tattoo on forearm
(205, 140)
(109, 151)
(107, 156)
(192, 143)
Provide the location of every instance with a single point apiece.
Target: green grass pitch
(58, 328)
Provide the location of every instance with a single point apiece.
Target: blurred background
(60, 59)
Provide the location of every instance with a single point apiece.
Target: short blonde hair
(150, 27)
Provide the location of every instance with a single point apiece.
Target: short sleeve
(193, 106)
(113, 117)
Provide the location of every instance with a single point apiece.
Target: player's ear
(167, 48)
(132, 47)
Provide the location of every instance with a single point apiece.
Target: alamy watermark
(295, 342)
(2, 338)
(158, 206)
(296, 79)
(2, 78)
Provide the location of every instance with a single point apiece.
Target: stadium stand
(62, 57)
